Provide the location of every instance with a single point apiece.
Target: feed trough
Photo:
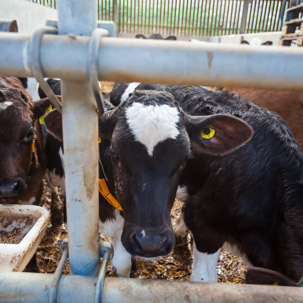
(21, 230)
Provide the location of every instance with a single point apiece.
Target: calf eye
(207, 132)
(29, 136)
(115, 158)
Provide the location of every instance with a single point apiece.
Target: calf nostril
(151, 243)
(11, 188)
(16, 186)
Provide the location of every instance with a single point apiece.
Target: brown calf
(22, 160)
(287, 104)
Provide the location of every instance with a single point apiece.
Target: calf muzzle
(12, 188)
(150, 242)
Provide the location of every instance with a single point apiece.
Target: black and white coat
(138, 139)
(250, 198)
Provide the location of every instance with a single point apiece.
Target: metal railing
(66, 56)
(190, 17)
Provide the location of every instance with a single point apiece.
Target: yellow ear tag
(207, 132)
(99, 140)
(41, 119)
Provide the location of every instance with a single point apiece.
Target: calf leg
(122, 259)
(204, 267)
(206, 250)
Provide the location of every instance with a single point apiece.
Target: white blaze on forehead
(4, 105)
(256, 42)
(129, 90)
(152, 124)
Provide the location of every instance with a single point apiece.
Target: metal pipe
(244, 17)
(80, 132)
(34, 288)
(152, 61)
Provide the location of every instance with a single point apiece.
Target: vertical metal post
(244, 16)
(116, 14)
(80, 134)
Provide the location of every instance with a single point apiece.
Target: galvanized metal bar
(265, 17)
(232, 15)
(228, 12)
(280, 9)
(34, 288)
(166, 61)
(130, 12)
(250, 14)
(239, 9)
(254, 12)
(217, 19)
(258, 13)
(161, 8)
(190, 21)
(195, 21)
(211, 26)
(156, 26)
(273, 16)
(152, 5)
(223, 19)
(80, 132)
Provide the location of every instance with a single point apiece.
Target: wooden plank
(291, 36)
(296, 21)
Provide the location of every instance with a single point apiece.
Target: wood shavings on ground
(175, 266)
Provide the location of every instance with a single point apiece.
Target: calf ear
(53, 124)
(267, 43)
(218, 134)
(140, 36)
(40, 107)
(244, 42)
(171, 38)
(107, 123)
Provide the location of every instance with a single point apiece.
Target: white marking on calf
(61, 155)
(31, 201)
(111, 226)
(182, 193)
(256, 42)
(56, 180)
(129, 90)
(122, 259)
(152, 124)
(4, 105)
(234, 249)
(204, 266)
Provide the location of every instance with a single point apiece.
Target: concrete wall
(29, 16)
(236, 39)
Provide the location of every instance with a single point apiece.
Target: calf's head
(17, 135)
(150, 141)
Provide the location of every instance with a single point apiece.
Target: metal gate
(80, 50)
(190, 18)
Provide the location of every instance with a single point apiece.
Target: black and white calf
(53, 146)
(250, 198)
(146, 142)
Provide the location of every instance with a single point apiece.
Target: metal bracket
(93, 52)
(107, 25)
(58, 273)
(106, 252)
(35, 63)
